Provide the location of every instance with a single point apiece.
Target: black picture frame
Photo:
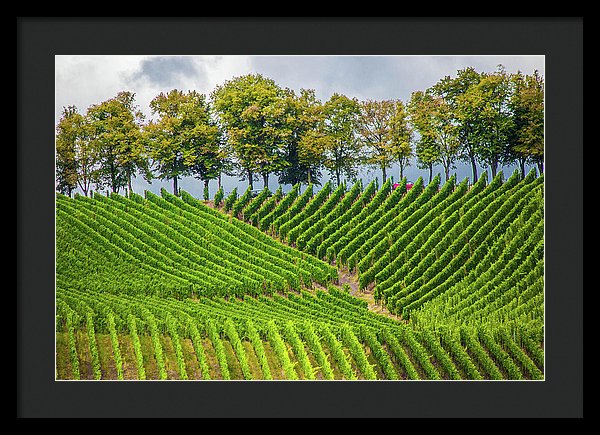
(559, 39)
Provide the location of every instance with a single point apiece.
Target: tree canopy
(252, 111)
(250, 126)
(183, 141)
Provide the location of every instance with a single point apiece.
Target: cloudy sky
(86, 80)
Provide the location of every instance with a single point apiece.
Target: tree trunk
(175, 190)
(308, 174)
(494, 167)
(83, 183)
(113, 177)
(474, 167)
(540, 166)
(383, 175)
(430, 172)
(219, 181)
(522, 165)
(337, 176)
(206, 190)
(250, 177)
(265, 176)
(129, 183)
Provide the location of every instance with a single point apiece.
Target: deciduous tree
(527, 108)
(251, 112)
(455, 90)
(402, 137)
(343, 152)
(304, 122)
(488, 101)
(77, 157)
(69, 135)
(183, 141)
(115, 126)
(432, 116)
(374, 126)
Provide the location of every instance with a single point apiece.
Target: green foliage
(338, 353)
(469, 338)
(400, 354)
(158, 350)
(303, 118)
(206, 192)
(137, 347)
(526, 103)
(234, 338)
(241, 202)
(72, 344)
(76, 160)
(183, 141)
(463, 265)
(231, 199)
(215, 338)
(252, 111)
(114, 339)
(337, 329)
(357, 351)
(259, 349)
(172, 328)
(292, 337)
(89, 321)
(382, 357)
(198, 348)
(383, 128)
(342, 153)
(254, 204)
(281, 350)
(115, 132)
(313, 342)
(251, 126)
(218, 199)
(173, 246)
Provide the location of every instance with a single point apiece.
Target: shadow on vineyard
(436, 282)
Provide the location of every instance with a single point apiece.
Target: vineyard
(444, 282)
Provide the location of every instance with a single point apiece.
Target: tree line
(253, 128)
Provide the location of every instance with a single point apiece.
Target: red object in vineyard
(409, 185)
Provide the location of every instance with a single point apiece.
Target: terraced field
(166, 287)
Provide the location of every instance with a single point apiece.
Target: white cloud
(86, 80)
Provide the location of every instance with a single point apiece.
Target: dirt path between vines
(346, 277)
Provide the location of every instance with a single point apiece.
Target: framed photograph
(261, 217)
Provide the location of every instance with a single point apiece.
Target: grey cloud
(167, 71)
